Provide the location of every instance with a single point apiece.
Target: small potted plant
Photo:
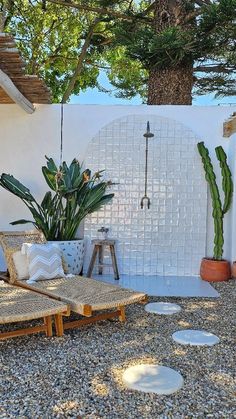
(75, 194)
(216, 268)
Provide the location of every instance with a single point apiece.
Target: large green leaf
(14, 223)
(50, 178)
(47, 201)
(17, 188)
(51, 165)
(40, 220)
(65, 168)
(94, 194)
(75, 175)
(98, 204)
(65, 184)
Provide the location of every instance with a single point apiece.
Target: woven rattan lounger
(83, 295)
(19, 305)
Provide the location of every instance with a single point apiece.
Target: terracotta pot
(215, 270)
(233, 269)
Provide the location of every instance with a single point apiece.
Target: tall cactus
(219, 210)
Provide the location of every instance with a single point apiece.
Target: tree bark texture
(170, 85)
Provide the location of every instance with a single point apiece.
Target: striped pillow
(45, 261)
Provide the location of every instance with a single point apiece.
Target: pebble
(80, 375)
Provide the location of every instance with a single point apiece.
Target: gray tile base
(164, 286)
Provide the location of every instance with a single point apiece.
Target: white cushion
(21, 265)
(45, 261)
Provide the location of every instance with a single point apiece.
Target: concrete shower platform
(164, 286)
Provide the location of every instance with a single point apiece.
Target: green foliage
(206, 38)
(51, 41)
(221, 83)
(126, 75)
(170, 47)
(75, 195)
(219, 210)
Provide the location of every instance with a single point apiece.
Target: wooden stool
(98, 249)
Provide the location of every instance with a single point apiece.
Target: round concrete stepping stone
(153, 379)
(195, 337)
(162, 308)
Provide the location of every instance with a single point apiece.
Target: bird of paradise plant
(74, 194)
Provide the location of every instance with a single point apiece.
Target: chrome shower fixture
(147, 136)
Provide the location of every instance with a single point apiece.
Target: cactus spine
(219, 210)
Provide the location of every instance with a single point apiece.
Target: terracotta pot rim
(216, 260)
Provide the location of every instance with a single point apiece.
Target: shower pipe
(147, 136)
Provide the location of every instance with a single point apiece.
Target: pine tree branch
(189, 17)
(214, 69)
(203, 2)
(130, 4)
(5, 13)
(148, 9)
(100, 10)
(192, 15)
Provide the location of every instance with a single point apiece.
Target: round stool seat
(104, 242)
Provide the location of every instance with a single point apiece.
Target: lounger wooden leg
(92, 262)
(59, 325)
(23, 332)
(122, 317)
(103, 316)
(48, 323)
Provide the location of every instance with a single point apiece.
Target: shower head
(148, 134)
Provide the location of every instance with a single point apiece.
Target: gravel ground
(80, 374)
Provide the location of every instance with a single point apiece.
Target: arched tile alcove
(170, 237)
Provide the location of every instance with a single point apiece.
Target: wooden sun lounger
(20, 305)
(84, 296)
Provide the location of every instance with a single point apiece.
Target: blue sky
(93, 96)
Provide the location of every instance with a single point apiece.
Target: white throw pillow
(45, 261)
(21, 265)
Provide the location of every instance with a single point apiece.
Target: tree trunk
(79, 66)
(170, 85)
(6, 13)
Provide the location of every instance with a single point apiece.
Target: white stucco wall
(25, 139)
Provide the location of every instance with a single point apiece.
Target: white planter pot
(73, 253)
